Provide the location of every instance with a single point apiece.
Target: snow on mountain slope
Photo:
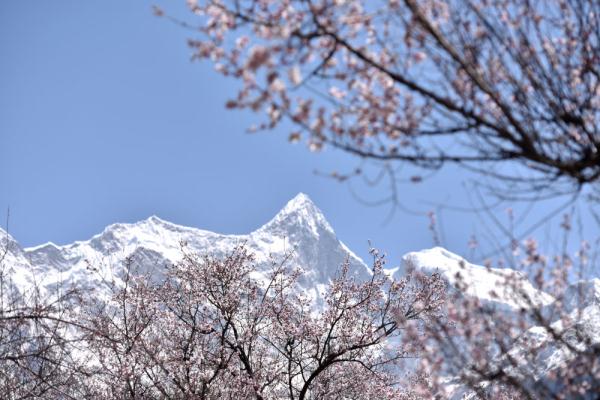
(299, 226)
(582, 294)
(15, 268)
(492, 286)
(578, 328)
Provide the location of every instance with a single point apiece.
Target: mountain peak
(159, 223)
(155, 220)
(300, 201)
(299, 212)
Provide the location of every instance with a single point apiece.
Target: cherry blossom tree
(218, 328)
(507, 88)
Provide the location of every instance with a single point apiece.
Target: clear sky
(104, 118)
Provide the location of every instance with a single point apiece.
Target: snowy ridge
(299, 227)
(492, 286)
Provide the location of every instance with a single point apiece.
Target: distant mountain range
(299, 227)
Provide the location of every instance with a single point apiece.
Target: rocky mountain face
(299, 227)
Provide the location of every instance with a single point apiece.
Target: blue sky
(104, 118)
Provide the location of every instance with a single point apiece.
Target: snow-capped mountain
(299, 227)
